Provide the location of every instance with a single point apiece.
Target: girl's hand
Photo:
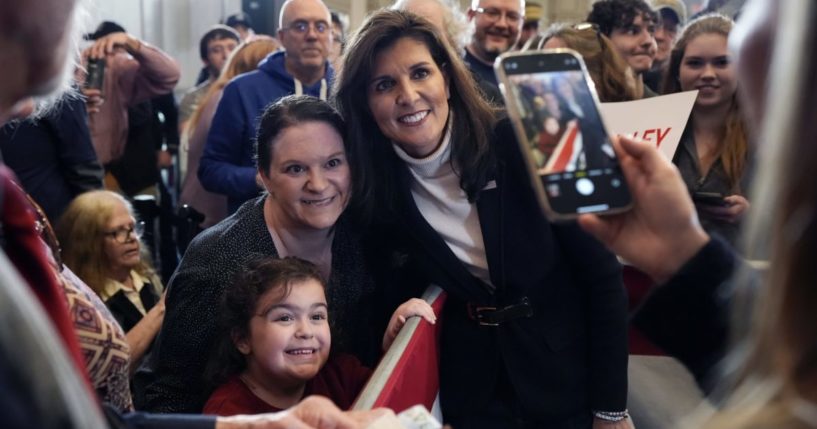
(410, 308)
(736, 206)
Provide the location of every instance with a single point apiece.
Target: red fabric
(564, 152)
(26, 251)
(638, 287)
(415, 379)
(341, 380)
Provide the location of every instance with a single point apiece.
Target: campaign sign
(658, 120)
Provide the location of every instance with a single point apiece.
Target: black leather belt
(493, 316)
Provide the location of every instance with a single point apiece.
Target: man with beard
(497, 24)
(630, 25)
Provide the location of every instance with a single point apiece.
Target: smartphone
(709, 199)
(96, 73)
(553, 106)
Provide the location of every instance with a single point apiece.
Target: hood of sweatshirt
(273, 65)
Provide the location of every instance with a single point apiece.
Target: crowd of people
(337, 173)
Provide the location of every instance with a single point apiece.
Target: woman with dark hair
(305, 167)
(535, 320)
(714, 153)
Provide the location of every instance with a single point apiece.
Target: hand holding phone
(96, 73)
(554, 108)
(709, 198)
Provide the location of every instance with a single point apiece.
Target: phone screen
(559, 127)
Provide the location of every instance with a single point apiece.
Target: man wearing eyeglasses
(497, 24)
(305, 31)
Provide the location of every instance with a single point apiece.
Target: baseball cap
(237, 19)
(676, 6)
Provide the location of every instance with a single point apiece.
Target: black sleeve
(598, 273)
(688, 316)
(139, 420)
(78, 161)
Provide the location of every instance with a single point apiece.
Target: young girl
(275, 343)
(713, 155)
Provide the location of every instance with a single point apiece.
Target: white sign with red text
(659, 120)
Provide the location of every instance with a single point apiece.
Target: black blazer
(570, 356)
(689, 315)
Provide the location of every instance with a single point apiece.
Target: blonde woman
(100, 243)
(244, 58)
(714, 154)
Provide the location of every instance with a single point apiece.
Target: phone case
(516, 119)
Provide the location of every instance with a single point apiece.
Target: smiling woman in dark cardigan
(303, 163)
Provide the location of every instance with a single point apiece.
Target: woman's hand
(736, 206)
(604, 424)
(410, 308)
(160, 305)
(93, 100)
(661, 232)
(314, 412)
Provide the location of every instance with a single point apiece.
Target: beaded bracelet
(611, 416)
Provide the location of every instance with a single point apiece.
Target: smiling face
(496, 28)
(122, 257)
(408, 97)
(636, 43)
(309, 176)
(289, 338)
(706, 66)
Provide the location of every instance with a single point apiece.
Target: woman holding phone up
(713, 155)
(534, 324)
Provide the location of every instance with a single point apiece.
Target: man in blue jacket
(227, 166)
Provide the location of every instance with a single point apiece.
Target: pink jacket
(213, 206)
(129, 80)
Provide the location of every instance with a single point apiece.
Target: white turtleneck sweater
(436, 190)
